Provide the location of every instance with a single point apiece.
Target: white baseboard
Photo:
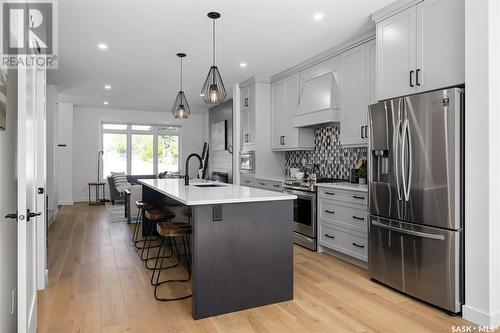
(479, 317)
(80, 200)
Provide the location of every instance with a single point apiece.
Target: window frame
(155, 131)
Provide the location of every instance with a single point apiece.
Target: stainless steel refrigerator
(416, 191)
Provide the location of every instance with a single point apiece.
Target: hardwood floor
(97, 283)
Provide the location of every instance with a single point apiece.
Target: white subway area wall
(88, 137)
(65, 151)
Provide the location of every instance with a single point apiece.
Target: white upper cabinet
(353, 93)
(396, 54)
(284, 106)
(440, 44)
(421, 48)
(371, 71)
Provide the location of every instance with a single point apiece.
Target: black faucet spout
(186, 177)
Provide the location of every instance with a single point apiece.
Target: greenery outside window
(140, 149)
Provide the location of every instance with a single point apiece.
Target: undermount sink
(208, 185)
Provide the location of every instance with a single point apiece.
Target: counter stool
(141, 207)
(168, 232)
(154, 216)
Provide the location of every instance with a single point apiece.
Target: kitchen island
(242, 248)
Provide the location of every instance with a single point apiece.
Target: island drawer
(355, 197)
(350, 242)
(343, 214)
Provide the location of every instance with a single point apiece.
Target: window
(139, 149)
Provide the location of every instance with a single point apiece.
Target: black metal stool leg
(135, 235)
(158, 283)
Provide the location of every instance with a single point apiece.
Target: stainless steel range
(304, 210)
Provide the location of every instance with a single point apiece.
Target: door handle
(408, 232)
(11, 216)
(411, 79)
(416, 76)
(30, 215)
(357, 245)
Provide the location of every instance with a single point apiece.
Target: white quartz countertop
(345, 186)
(225, 193)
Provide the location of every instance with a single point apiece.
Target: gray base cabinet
(343, 222)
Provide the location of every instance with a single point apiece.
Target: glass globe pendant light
(213, 91)
(180, 109)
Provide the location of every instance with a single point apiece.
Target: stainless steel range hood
(319, 101)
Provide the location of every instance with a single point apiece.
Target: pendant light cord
(181, 73)
(213, 40)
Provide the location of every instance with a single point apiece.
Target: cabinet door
(251, 127)
(353, 96)
(290, 133)
(440, 44)
(371, 72)
(277, 111)
(396, 54)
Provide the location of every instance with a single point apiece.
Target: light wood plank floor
(98, 284)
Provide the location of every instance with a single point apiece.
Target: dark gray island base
(242, 253)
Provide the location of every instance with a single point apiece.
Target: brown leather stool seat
(159, 215)
(168, 232)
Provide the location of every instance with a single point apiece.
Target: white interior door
(26, 201)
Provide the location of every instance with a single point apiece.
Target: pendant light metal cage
(213, 90)
(181, 109)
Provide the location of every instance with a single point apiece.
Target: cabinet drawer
(344, 214)
(343, 240)
(354, 197)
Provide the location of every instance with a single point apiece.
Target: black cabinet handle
(246, 101)
(416, 76)
(357, 245)
(362, 137)
(11, 216)
(411, 79)
(328, 236)
(276, 185)
(358, 197)
(366, 132)
(329, 211)
(358, 218)
(30, 215)
(330, 193)
(263, 184)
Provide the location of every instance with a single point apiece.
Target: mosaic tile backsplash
(333, 160)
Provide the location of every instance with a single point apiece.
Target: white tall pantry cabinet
(421, 48)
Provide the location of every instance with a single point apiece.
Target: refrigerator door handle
(395, 145)
(408, 232)
(410, 149)
(404, 162)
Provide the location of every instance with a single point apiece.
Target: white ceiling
(143, 37)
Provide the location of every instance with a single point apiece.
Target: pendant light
(213, 91)
(181, 107)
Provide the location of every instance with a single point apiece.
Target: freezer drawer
(421, 261)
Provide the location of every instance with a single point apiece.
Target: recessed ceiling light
(107, 86)
(318, 16)
(243, 64)
(102, 46)
(106, 103)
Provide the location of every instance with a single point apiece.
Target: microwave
(247, 162)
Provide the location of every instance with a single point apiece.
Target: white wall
(52, 126)
(87, 138)
(482, 153)
(64, 162)
(8, 204)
